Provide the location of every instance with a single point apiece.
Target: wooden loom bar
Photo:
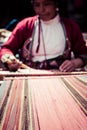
(33, 72)
(44, 103)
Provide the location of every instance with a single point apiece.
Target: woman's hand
(11, 62)
(71, 65)
(14, 64)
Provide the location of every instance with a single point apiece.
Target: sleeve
(78, 44)
(15, 41)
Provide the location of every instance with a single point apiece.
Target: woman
(45, 41)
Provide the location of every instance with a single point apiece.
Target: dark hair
(60, 4)
(55, 1)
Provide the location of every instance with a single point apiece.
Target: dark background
(19, 9)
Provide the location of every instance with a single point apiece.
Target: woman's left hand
(71, 65)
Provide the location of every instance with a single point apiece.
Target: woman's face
(46, 9)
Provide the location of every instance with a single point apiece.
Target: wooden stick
(24, 66)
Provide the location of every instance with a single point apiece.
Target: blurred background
(13, 11)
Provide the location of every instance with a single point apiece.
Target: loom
(43, 100)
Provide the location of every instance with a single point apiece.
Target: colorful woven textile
(44, 103)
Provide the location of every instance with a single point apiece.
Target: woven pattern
(44, 103)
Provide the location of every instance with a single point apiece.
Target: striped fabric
(44, 103)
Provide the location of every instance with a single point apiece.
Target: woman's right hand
(11, 62)
(14, 64)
